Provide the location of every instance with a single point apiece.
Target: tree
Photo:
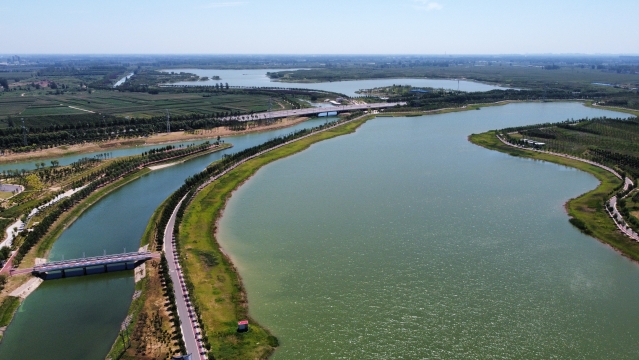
(4, 83)
(5, 252)
(34, 182)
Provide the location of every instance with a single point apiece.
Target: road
(188, 319)
(311, 111)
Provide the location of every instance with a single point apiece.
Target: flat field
(38, 103)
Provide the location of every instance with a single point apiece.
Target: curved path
(188, 320)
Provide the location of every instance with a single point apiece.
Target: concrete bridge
(97, 264)
(312, 111)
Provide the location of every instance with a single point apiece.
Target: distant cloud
(216, 5)
(428, 5)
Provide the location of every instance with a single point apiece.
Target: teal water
(258, 78)
(79, 318)
(66, 160)
(404, 240)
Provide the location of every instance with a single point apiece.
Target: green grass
(5, 194)
(588, 207)
(7, 309)
(218, 290)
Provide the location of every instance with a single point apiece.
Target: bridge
(312, 111)
(99, 263)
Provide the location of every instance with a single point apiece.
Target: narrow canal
(79, 318)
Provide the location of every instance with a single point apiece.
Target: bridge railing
(98, 260)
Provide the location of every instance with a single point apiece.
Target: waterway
(79, 318)
(404, 240)
(258, 78)
(113, 153)
(121, 81)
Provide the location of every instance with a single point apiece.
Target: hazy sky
(319, 26)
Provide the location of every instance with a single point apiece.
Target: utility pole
(24, 133)
(168, 123)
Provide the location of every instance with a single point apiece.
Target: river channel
(258, 78)
(79, 318)
(405, 241)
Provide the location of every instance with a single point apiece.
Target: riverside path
(188, 320)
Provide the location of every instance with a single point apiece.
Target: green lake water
(404, 240)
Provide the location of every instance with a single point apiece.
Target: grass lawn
(587, 207)
(5, 194)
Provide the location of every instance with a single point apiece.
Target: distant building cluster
(533, 143)
(15, 59)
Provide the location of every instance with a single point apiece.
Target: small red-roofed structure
(242, 326)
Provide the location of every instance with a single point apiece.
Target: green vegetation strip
(218, 291)
(588, 209)
(7, 309)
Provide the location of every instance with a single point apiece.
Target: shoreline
(601, 227)
(216, 195)
(157, 139)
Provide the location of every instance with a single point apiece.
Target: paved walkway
(188, 319)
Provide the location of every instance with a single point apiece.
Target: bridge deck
(311, 111)
(93, 261)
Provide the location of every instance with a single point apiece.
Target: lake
(258, 78)
(404, 240)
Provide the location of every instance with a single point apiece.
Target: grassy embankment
(588, 207)
(218, 288)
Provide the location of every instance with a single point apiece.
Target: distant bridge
(312, 111)
(98, 264)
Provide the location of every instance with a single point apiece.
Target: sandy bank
(158, 167)
(27, 288)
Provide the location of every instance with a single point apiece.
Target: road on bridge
(311, 111)
(186, 314)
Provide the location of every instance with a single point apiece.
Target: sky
(319, 27)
